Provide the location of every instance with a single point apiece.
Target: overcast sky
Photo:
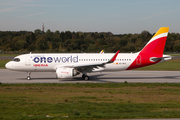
(116, 16)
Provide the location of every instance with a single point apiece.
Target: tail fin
(152, 53)
(102, 52)
(157, 43)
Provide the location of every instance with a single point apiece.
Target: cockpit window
(16, 59)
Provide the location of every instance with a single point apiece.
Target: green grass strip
(89, 101)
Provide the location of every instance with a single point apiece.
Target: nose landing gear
(28, 77)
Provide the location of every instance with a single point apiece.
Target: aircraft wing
(89, 65)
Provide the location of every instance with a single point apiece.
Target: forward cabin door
(28, 60)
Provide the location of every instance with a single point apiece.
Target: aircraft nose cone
(8, 65)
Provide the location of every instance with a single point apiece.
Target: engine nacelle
(66, 72)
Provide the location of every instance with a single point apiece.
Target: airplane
(68, 65)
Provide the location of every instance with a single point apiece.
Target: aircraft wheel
(28, 78)
(83, 76)
(86, 77)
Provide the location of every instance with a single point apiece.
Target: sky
(116, 16)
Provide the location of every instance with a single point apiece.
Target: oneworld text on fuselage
(70, 59)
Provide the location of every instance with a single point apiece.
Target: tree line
(77, 42)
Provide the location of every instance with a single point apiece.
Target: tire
(83, 76)
(86, 78)
(28, 78)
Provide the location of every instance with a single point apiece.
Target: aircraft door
(138, 60)
(28, 60)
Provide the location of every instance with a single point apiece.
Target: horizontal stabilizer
(164, 58)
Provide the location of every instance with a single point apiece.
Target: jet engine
(66, 72)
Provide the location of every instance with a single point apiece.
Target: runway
(7, 76)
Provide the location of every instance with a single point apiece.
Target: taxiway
(134, 76)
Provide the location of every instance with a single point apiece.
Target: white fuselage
(48, 62)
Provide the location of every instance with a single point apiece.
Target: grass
(89, 101)
(2, 63)
(8, 55)
(174, 54)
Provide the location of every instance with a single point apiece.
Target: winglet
(114, 57)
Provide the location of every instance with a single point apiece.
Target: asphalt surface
(176, 57)
(7, 76)
(6, 58)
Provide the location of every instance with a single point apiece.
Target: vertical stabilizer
(157, 43)
(153, 51)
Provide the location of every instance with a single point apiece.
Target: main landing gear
(28, 77)
(85, 77)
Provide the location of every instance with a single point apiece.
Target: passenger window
(16, 59)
